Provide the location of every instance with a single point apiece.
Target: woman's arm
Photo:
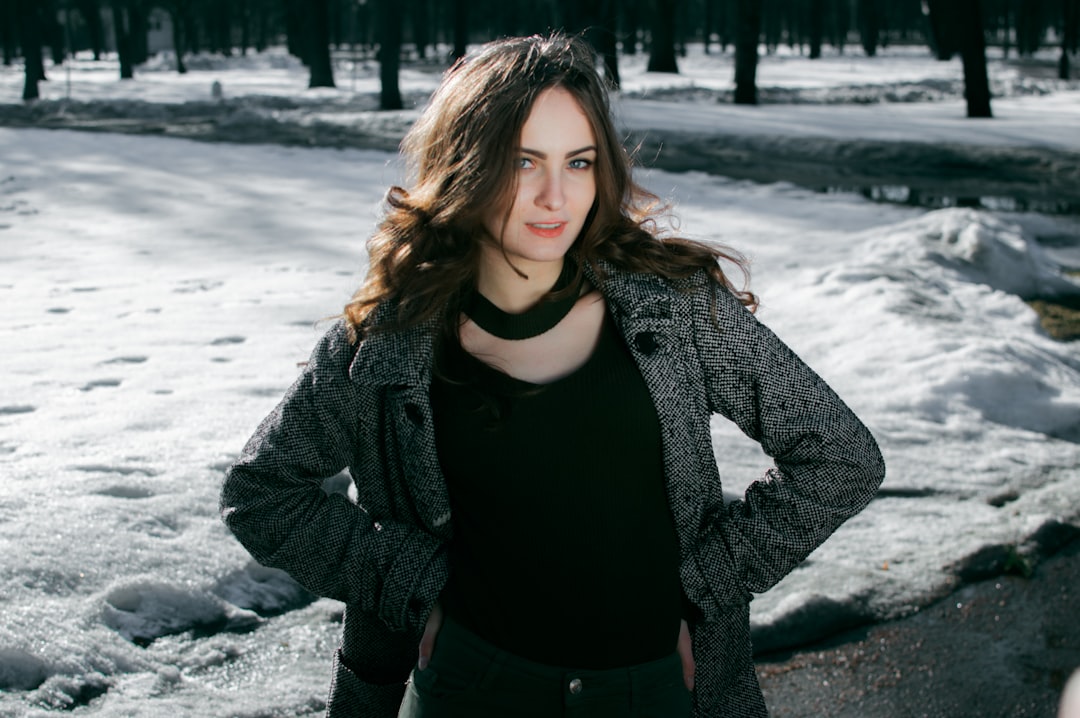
(272, 500)
(827, 464)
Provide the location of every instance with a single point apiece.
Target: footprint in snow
(17, 409)
(263, 391)
(222, 341)
(125, 360)
(121, 470)
(126, 492)
(191, 286)
(99, 383)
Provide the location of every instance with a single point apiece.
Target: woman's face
(556, 184)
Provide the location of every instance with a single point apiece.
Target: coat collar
(395, 358)
(639, 302)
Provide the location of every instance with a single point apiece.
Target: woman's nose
(552, 194)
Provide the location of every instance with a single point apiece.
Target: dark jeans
(467, 677)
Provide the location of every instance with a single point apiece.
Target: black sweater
(598, 586)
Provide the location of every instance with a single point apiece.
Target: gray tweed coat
(367, 408)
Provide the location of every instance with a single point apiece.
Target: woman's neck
(508, 290)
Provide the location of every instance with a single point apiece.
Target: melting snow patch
(266, 591)
(983, 249)
(801, 618)
(143, 610)
(939, 300)
(20, 670)
(69, 692)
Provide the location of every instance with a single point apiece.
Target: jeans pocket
(663, 694)
(453, 676)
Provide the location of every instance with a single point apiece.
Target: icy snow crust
(159, 293)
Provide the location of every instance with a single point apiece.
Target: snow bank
(21, 670)
(266, 591)
(144, 609)
(977, 247)
(977, 411)
(945, 294)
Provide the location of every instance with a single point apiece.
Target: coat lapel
(650, 315)
(400, 363)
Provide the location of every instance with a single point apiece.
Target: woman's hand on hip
(686, 655)
(431, 630)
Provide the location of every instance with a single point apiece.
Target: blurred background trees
(438, 31)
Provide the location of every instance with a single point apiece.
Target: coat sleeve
(827, 465)
(273, 501)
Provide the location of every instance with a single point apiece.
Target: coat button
(646, 342)
(575, 686)
(412, 411)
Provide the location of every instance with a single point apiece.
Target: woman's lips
(547, 230)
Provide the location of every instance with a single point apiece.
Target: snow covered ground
(158, 294)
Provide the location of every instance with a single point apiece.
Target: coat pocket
(720, 571)
(350, 696)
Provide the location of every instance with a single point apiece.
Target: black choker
(530, 323)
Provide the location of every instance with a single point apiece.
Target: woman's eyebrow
(544, 156)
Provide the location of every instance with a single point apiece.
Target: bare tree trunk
(296, 34)
(609, 42)
(662, 52)
(842, 24)
(122, 28)
(222, 32)
(391, 20)
(726, 23)
(191, 32)
(52, 32)
(132, 18)
(322, 73)
(631, 24)
(710, 23)
(1028, 27)
(946, 20)
(1007, 23)
(746, 51)
(177, 10)
(973, 51)
(461, 29)
(245, 26)
(9, 20)
(770, 24)
(1070, 36)
(336, 23)
(817, 27)
(30, 40)
(597, 20)
(91, 13)
(420, 27)
(869, 26)
(262, 30)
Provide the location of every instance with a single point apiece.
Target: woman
(521, 390)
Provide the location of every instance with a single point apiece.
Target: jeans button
(575, 686)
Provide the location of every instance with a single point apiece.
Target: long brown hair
(461, 153)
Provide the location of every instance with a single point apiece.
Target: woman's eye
(580, 164)
(525, 163)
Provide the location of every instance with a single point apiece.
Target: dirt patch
(1059, 317)
(1001, 647)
